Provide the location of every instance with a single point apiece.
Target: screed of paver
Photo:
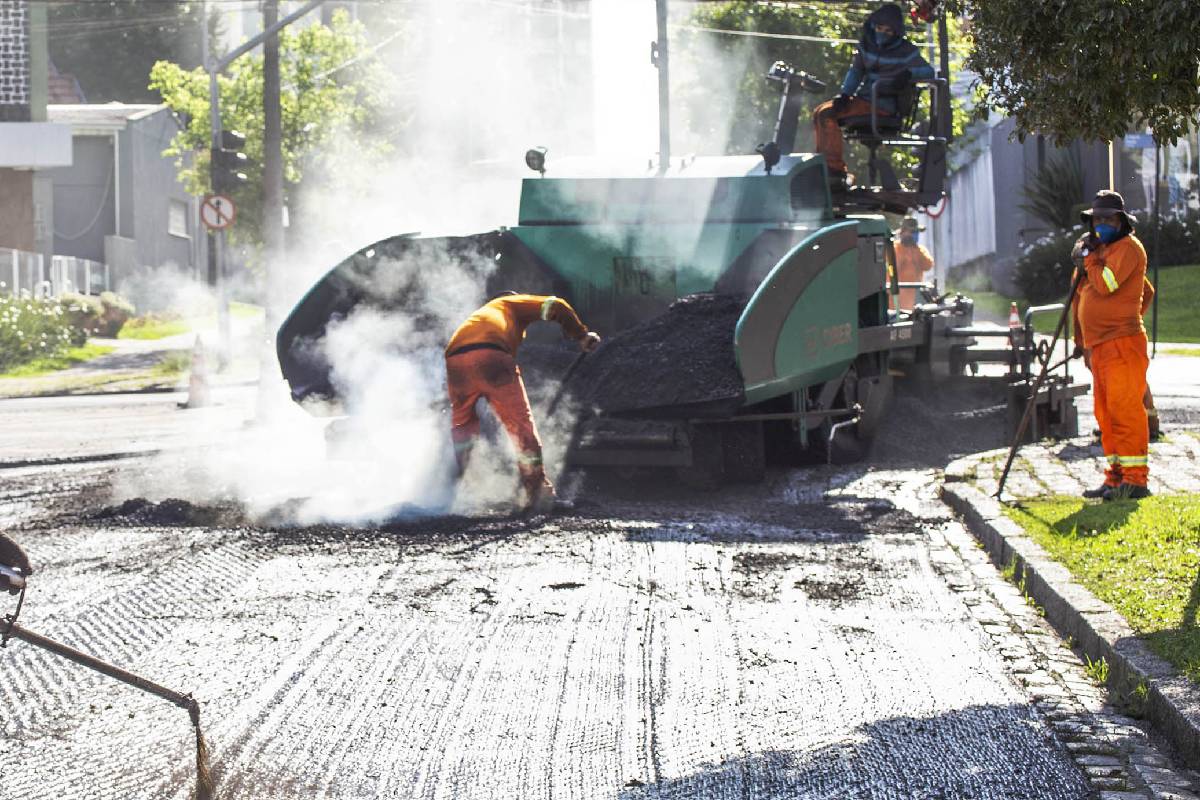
(767, 649)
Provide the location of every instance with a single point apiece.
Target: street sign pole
(214, 66)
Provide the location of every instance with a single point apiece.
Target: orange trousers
(494, 376)
(829, 140)
(1118, 386)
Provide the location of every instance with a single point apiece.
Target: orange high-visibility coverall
(1108, 322)
(481, 362)
(912, 262)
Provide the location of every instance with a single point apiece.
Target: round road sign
(217, 212)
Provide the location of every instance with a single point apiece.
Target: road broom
(13, 579)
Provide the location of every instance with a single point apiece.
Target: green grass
(174, 362)
(1194, 352)
(1143, 558)
(154, 327)
(1178, 297)
(65, 360)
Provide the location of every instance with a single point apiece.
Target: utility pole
(214, 66)
(273, 242)
(660, 55)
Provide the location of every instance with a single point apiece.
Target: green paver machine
(816, 343)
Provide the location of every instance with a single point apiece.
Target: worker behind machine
(481, 363)
(1110, 333)
(885, 57)
(912, 260)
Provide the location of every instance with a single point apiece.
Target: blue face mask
(1107, 233)
(883, 39)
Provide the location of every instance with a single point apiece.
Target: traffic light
(229, 163)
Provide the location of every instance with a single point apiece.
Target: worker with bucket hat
(912, 260)
(1109, 331)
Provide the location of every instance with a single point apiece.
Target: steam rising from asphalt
(480, 82)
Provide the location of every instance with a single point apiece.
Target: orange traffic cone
(1014, 318)
(198, 393)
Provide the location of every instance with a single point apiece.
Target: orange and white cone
(198, 392)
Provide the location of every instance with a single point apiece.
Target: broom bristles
(205, 789)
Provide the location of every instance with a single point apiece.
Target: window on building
(177, 218)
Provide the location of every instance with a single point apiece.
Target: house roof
(101, 114)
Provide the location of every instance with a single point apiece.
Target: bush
(1043, 272)
(32, 329)
(1178, 242)
(116, 312)
(97, 316)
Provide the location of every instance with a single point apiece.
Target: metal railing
(24, 274)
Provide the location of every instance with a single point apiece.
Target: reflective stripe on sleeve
(1110, 280)
(548, 304)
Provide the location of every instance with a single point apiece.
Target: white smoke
(480, 81)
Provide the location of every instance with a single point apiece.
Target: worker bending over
(885, 57)
(912, 260)
(481, 363)
(1110, 333)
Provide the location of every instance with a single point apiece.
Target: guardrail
(24, 274)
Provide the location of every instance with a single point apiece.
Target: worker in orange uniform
(912, 260)
(481, 363)
(1109, 332)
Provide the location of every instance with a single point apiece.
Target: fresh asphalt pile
(930, 428)
(683, 358)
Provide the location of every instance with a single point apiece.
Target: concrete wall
(16, 209)
(84, 199)
(149, 190)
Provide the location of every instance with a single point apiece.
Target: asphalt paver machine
(816, 343)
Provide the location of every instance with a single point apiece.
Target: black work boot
(1128, 491)
(1100, 492)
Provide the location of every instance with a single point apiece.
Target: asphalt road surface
(830, 634)
(820, 636)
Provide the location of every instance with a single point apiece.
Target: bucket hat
(1107, 202)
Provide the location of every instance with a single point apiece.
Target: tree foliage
(1088, 69)
(332, 95)
(110, 45)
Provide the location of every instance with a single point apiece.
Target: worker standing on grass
(885, 57)
(912, 260)
(481, 363)
(1110, 334)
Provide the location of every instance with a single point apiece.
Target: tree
(110, 45)
(1088, 69)
(333, 90)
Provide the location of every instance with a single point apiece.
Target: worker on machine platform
(885, 57)
(1110, 334)
(481, 363)
(912, 260)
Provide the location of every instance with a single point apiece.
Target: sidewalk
(139, 365)
(1171, 700)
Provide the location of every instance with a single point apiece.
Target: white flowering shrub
(31, 329)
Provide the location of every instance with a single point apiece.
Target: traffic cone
(1014, 317)
(198, 393)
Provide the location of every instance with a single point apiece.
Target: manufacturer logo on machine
(817, 339)
(649, 275)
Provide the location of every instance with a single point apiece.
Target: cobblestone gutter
(1172, 704)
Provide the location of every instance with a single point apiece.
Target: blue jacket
(873, 62)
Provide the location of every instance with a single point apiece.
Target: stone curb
(18, 463)
(1172, 704)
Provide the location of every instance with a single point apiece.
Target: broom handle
(562, 386)
(1037, 384)
(83, 659)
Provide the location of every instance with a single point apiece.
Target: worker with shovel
(1110, 333)
(481, 363)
